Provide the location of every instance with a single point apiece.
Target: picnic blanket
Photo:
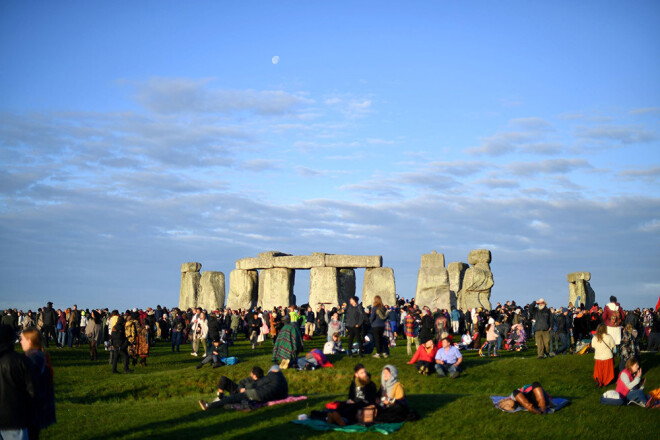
(257, 405)
(320, 425)
(557, 404)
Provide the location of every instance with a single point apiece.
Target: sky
(135, 136)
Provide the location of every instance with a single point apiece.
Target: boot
(540, 399)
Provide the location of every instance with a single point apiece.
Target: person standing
(61, 328)
(94, 334)
(603, 345)
(119, 344)
(49, 318)
(42, 377)
(377, 320)
(563, 330)
(354, 321)
(542, 328)
(73, 325)
(17, 391)
(411, 330)
(613, 317)
(199, 330)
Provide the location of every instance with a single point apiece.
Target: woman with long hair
(42, 376)
(603, 345)
(377, 318)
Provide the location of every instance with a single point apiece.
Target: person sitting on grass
(219, 350)
(226, 386)
(448, 360)
(466, 340)
(424, 357)
(630, 385)
(334, 346)
(393, 406)
(273, 386)
(531, 397)
(361, 393)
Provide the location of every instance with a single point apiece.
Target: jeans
(636, 395)
(499, 343)
(443, 369)
(492, 345)
(176, 340)
(454, 326)
(352, 333)
(71, 333)
(565, 342)
(61, 338)
(378, 339)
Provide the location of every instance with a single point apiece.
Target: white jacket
(204, 325)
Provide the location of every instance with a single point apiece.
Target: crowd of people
(434, 339)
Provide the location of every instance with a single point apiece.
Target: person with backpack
(613, 317)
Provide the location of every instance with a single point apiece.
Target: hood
(613, 306)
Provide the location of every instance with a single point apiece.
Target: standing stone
(456, 273)
(346, 285)
(190, 278)
(243, 285)
(579, 289)
(477, 281)
(276, 288)
(379, 281)
(324, 287)
(212, 291)
(433, 283)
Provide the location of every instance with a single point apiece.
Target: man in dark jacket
(17, 390)
(563, 329)
(542, 328)
(354, 321)
(273, 386)
(49, 319)
(120, 345)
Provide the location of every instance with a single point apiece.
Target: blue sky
(135, 137)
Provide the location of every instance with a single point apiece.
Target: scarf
(388, 385)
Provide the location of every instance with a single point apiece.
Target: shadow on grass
(212, 423)
(107, 397)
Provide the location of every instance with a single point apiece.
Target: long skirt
(604, 372)
(615, 332)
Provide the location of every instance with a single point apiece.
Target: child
(334, 346)
(491, 337)
(630, 385)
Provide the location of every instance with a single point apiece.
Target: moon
(276, 59)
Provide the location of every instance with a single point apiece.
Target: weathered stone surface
(379, 281)
(433, 259)
(211, 290)
(243, 285)
(573, 277)
(346, 285)
(483, 266)
(191, 267)
(433, 287)
(189, 290)
(477, 284)
(581, 293)
(272, 259)
(456, 272)
(276, 288)
(324, 287)
(353, 261)
(479, 256)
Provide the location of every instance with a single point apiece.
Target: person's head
(336, 336)
(541, 303)
(632, 365)
(507, 404)
(378, 302)
(361, 374)
(445, 343)
(354, 301)
(256, 373)
(30, 339)
(613, 299)
(629, 328)
(428, 344)
(600, 331)
(335, 316)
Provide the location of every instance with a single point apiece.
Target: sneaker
(199, 366)
(203, 405)
(454, 375)
(376, 355)
(193, 354)
(385, 355)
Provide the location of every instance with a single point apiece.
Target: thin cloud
(549, 166)
(622, 134)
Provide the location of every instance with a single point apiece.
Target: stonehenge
(579, 289)
(205, 290)
(267, 281)
(458, 285)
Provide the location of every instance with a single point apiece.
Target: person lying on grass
(630, 384)
(361, 393)
(531, 397)
(448, 359)
(424, 357)
(272, 386)
(219, 350)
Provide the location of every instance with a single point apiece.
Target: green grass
(161, 399)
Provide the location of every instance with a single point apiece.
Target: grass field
(160, 401)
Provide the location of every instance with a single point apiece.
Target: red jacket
(608, 314)
(422, 355)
